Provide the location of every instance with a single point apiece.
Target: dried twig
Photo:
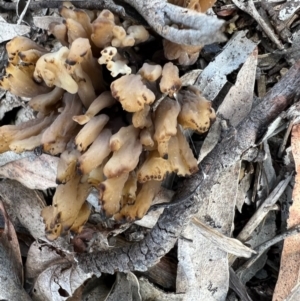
(236, 285)
(261, 213)
(249, 8)
(227, 244)
(90, 4)
(266, 245)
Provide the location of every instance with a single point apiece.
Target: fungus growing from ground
(123, 141)
(111, 193)
(104, 100)
(165, 123)
(103, 29)
(47, 103)
(170, 82)
(90, 131)
(196, 113)
(66, 168)
(131, 212)
(67, 203)
(60, 31)
(18, 78)
(63, 128)
(150, 73)
(96, 153)
(17, 133)
(131, 92)
(51, 69)
(154, 168)
(142, 119)
(126, 149)
(19, 45)
(180, 156)
(134, 35)
(184, 54)
(113, 61)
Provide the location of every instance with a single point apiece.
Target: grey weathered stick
(90, 4)
(199, 29)
(249, 7)
(163, 236)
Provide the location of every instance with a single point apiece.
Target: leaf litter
(204, 266)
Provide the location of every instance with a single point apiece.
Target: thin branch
(249, 8)
(89, 4)
(266, 245)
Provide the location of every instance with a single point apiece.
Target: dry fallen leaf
(125, 288)
(288, 9)
(40, 257)
(9, 102)
(238, 101)
(54, 273)
(11, 267)
(235, 53)
(58, 282)
(33, 171)
(25, 204)
(44, 21)
(9, 31)
(290, 259)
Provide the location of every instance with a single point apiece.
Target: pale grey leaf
(9, 31)
(33, 171)
(288, 9)
(44, 21)
(11, 268)
(58, 282)
(40, 257)
(26, 205)
(230, 245)
(235, 53)
(9, 102)
(203, 267)
(126, 288)
(238, 101)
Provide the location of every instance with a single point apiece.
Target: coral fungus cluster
(121, 136)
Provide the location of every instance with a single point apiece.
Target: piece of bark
(189, 197)
(199, 29)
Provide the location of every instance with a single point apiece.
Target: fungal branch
(120, 136)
